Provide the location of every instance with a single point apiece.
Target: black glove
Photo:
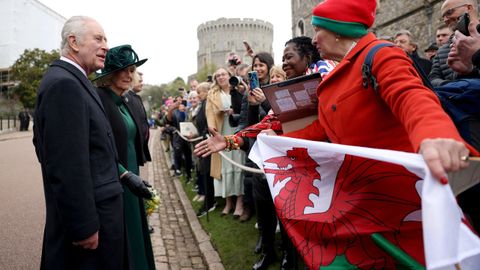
(136, 185)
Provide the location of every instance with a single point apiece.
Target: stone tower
(220, 37)
(421, 17)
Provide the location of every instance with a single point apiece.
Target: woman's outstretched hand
(443, 156)
(214, 144)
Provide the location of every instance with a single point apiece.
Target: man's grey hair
(404, 32)
(410, 37)
(73, 26)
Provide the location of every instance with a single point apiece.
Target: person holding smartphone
(466, 48)
(465, 28)
(444, 70)
(262, 62)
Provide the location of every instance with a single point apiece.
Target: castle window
(300, 28)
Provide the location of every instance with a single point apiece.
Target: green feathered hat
(119, 58)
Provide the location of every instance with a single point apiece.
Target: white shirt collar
(63, 58)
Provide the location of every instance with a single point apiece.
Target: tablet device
(294, 101)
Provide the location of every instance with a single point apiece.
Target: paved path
(22, 207)
(179, 242)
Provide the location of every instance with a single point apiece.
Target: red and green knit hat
(350, 18)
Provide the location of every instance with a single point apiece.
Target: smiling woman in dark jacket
(115, 79)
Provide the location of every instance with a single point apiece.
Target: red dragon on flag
(331, 211)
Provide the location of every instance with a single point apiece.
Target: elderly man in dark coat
(74, 143)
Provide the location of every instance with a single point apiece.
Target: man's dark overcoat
(74, 144)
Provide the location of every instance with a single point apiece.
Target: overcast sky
(165, 32)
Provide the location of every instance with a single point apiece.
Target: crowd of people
(107, 137)
(332, 43)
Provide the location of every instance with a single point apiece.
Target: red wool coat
(399, 117)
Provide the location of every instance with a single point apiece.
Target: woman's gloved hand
(137, 185)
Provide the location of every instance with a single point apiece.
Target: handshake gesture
(136, 184)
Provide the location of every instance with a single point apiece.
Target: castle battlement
(234, 22)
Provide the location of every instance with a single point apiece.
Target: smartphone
(247, 46)
(253, 80)
(462, 24)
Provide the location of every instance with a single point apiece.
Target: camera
(235, 80)
(233, 60)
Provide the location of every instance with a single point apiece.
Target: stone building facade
(217, 39)
(24, 24)
(421, 17)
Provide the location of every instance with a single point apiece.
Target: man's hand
(137, 185)
(214, 144)
(249, 49)
(462, 49)
(89, 243)
(457, 63)
(171, 108)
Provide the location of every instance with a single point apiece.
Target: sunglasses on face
(450, 11)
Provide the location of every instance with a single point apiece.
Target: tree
(28, 71)
(207, 69)
(153, 94)
(172, 88)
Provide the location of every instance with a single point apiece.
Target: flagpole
(398, 255)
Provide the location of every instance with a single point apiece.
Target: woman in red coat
(403, 115)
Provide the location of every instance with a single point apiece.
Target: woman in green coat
(115, 79)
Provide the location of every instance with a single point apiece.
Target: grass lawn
(234, 240)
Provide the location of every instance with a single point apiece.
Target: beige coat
(215, 115)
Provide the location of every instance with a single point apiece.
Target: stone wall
(302, 17)
(421, 17)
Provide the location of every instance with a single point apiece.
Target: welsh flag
(348, 207)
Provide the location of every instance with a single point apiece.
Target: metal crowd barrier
(8, 122)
